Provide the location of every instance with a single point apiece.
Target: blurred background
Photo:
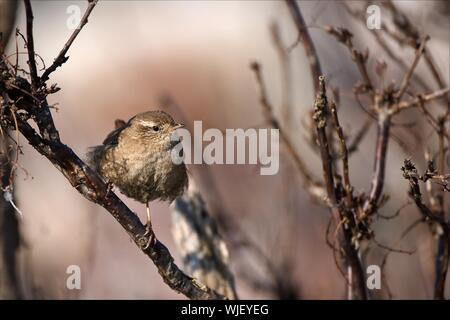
(133, 53)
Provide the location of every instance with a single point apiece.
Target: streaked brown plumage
(136, 158)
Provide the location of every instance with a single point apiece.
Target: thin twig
(411, 36)
(442, 257)
(83, 178)
(286, 71)
(409, 73)
(344, 36)
(344, 153)
(420, 99)
(61, 58)
(387, 254)
(376, 189)
(410, 173)
(361, 16)
(308, 44)
(359, 136)
(271, 120)
(30, 45)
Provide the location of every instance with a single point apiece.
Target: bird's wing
(113, 137)
(119, 123)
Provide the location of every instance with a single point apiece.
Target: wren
(137, 158)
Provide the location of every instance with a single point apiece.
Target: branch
(410, 173)
(344, 36)
(321, 113)
(442, 264)
(361, 16)
(383, 129)
(313, 59)
(356, 278)
(308, 44)
(409, 73)
(405, 26)
(344, 154)
(44, 119)
(421, 99)
(10, 231)
(411, 37)
(22, 106)
(286, 71)
(30, 45)
(92, 187)
(61, 58)
(202, 248)
(442, 256)
(359, 136)
(281, 285)
(313, 187)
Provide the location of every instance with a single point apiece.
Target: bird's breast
(146, 175)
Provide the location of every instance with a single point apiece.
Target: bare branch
(29, 107)
(405, 26)
(361, 16)
(321, 113)
(344, 36)
(409, 73)
(410, 173)
(61, 58)
(356, 275)
(308, 44)
(344, 153)
(202, 248)
(383, 128)
(92, 187)
(30, 45)
(420, 99)
(442, 256)
(313, 187)
(278, 283)
(411, 36)
(359, 136)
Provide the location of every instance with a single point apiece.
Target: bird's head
(157, 127)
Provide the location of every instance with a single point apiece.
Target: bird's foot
(109, 188)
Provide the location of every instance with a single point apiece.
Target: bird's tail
(93, 156)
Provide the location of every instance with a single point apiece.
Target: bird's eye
(155, 128)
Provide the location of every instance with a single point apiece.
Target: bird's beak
(178, 126)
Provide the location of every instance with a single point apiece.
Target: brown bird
(137, 158)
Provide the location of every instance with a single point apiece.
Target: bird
(136, 157)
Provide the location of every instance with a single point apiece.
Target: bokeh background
(127, 57)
